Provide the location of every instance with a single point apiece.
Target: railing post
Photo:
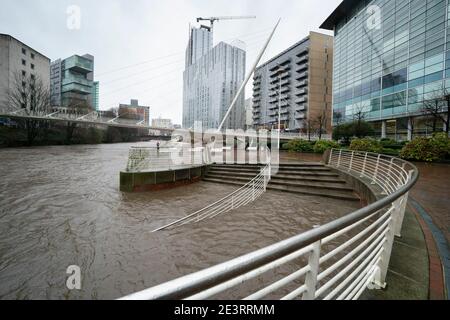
(402, 210)
(339, 159)
(375, 174)
(253, 187)
(351, 161)
(387, 250)
(363, 172)
(311, 276)
(331, 156)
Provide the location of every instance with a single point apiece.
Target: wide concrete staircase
(313, 179)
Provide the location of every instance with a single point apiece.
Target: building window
(24, 63)
(32, 55)
(32, 66)
(24, 73)
(24, 51)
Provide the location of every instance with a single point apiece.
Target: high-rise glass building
(212, 78)
(389, 57)
(72, 82)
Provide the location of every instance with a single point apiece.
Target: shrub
(366, 144)
(348, 130)
(322, 145)
(299, 145)
(432, 149)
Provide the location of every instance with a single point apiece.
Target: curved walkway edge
(438, 252)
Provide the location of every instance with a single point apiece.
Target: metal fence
(239, 198)
(159, 159)
(338, 260)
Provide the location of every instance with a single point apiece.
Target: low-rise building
(162, 123)
(134, 113)
(19, 59)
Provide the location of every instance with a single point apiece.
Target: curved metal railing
(338, 260)
(239, 198)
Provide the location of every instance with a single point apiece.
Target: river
(61, 206)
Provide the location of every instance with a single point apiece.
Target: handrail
(368, 265)
(257, 186)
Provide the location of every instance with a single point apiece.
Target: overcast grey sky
(151, 36)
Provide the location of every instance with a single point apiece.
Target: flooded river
(61, 206)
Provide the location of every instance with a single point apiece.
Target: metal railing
(148, 159)
(239, 198)
(338, 260)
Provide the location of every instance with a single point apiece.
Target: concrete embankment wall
(151, 181)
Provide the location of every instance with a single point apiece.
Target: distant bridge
(98, 118)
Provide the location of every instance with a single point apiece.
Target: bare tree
(30, 96)
(320, 123)
(359, 118)
(76, 107)
(437, 109)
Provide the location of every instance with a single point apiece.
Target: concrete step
(309, 173)
(312, 184)
(280, 168)
(290, 183)
(343, 195)
(281, 177)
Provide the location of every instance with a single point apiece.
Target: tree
(437, 109)
(320, 123)
(348, 130)
(360, 124)
(78, 108)
(30, 96)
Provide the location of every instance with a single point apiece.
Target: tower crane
(214, 19)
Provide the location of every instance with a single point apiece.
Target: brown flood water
(61, 206)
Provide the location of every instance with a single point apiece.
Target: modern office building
(390, 56)
(17, 58)
(212, 78)
(297, 83)
(162, 123)
(72, 82)
(134, 113)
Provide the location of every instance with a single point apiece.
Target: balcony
(79, 64)
(302, 83)
(301, 100)
(302, 92)
(301, 107)
(303, 53)
(282, 65)
(303, 59)
(302, 75)
(303, 67)
(300, 116)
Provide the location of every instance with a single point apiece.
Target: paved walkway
(420, 264)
